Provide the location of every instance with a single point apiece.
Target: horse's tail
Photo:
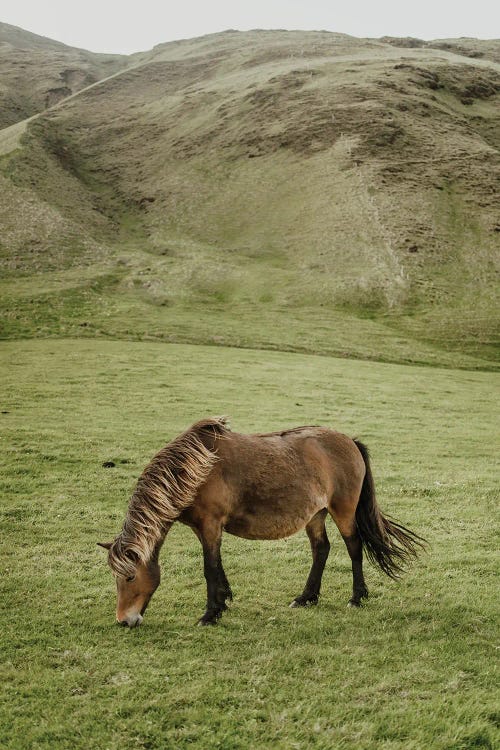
(386, 543)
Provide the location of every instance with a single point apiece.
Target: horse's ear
(106, 545)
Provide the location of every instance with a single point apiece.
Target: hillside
(36, 72)
(487, 49)
(300, 190)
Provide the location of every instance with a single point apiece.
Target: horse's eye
(130, 579)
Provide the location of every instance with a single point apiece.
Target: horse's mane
(165, 488)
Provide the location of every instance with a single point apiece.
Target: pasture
(412, 669)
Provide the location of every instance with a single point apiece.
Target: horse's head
(136, 583)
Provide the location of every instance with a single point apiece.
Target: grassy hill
(487, 49)
(294, 190)
(36, 72)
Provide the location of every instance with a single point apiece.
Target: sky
(123, 26)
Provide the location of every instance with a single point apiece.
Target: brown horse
(262, 486)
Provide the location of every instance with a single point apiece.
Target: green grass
(413, 669)
(195, 294)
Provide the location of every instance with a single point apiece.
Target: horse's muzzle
(131, 621)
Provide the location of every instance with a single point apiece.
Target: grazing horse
(262, 486)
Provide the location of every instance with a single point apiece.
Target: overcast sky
(125, 26)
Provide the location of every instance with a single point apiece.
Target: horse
(257, 486)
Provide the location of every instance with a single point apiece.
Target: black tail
(386, 543)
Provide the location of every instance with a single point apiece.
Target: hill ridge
(156, 52)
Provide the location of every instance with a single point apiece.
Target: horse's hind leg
(320, 547)
(344, 515)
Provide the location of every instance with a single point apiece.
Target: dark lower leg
(320, 547)
(355, 549)
(228, 594)
(218, 589)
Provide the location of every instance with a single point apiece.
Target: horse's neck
(160, 541)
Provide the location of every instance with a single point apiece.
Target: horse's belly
(259, 522)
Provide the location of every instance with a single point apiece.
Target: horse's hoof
(353, 603)
(300, 602)
(210, 618)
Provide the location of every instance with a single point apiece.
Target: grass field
(412, 669)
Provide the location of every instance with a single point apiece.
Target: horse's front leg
(218, 589)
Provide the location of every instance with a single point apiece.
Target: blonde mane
(165, 488)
